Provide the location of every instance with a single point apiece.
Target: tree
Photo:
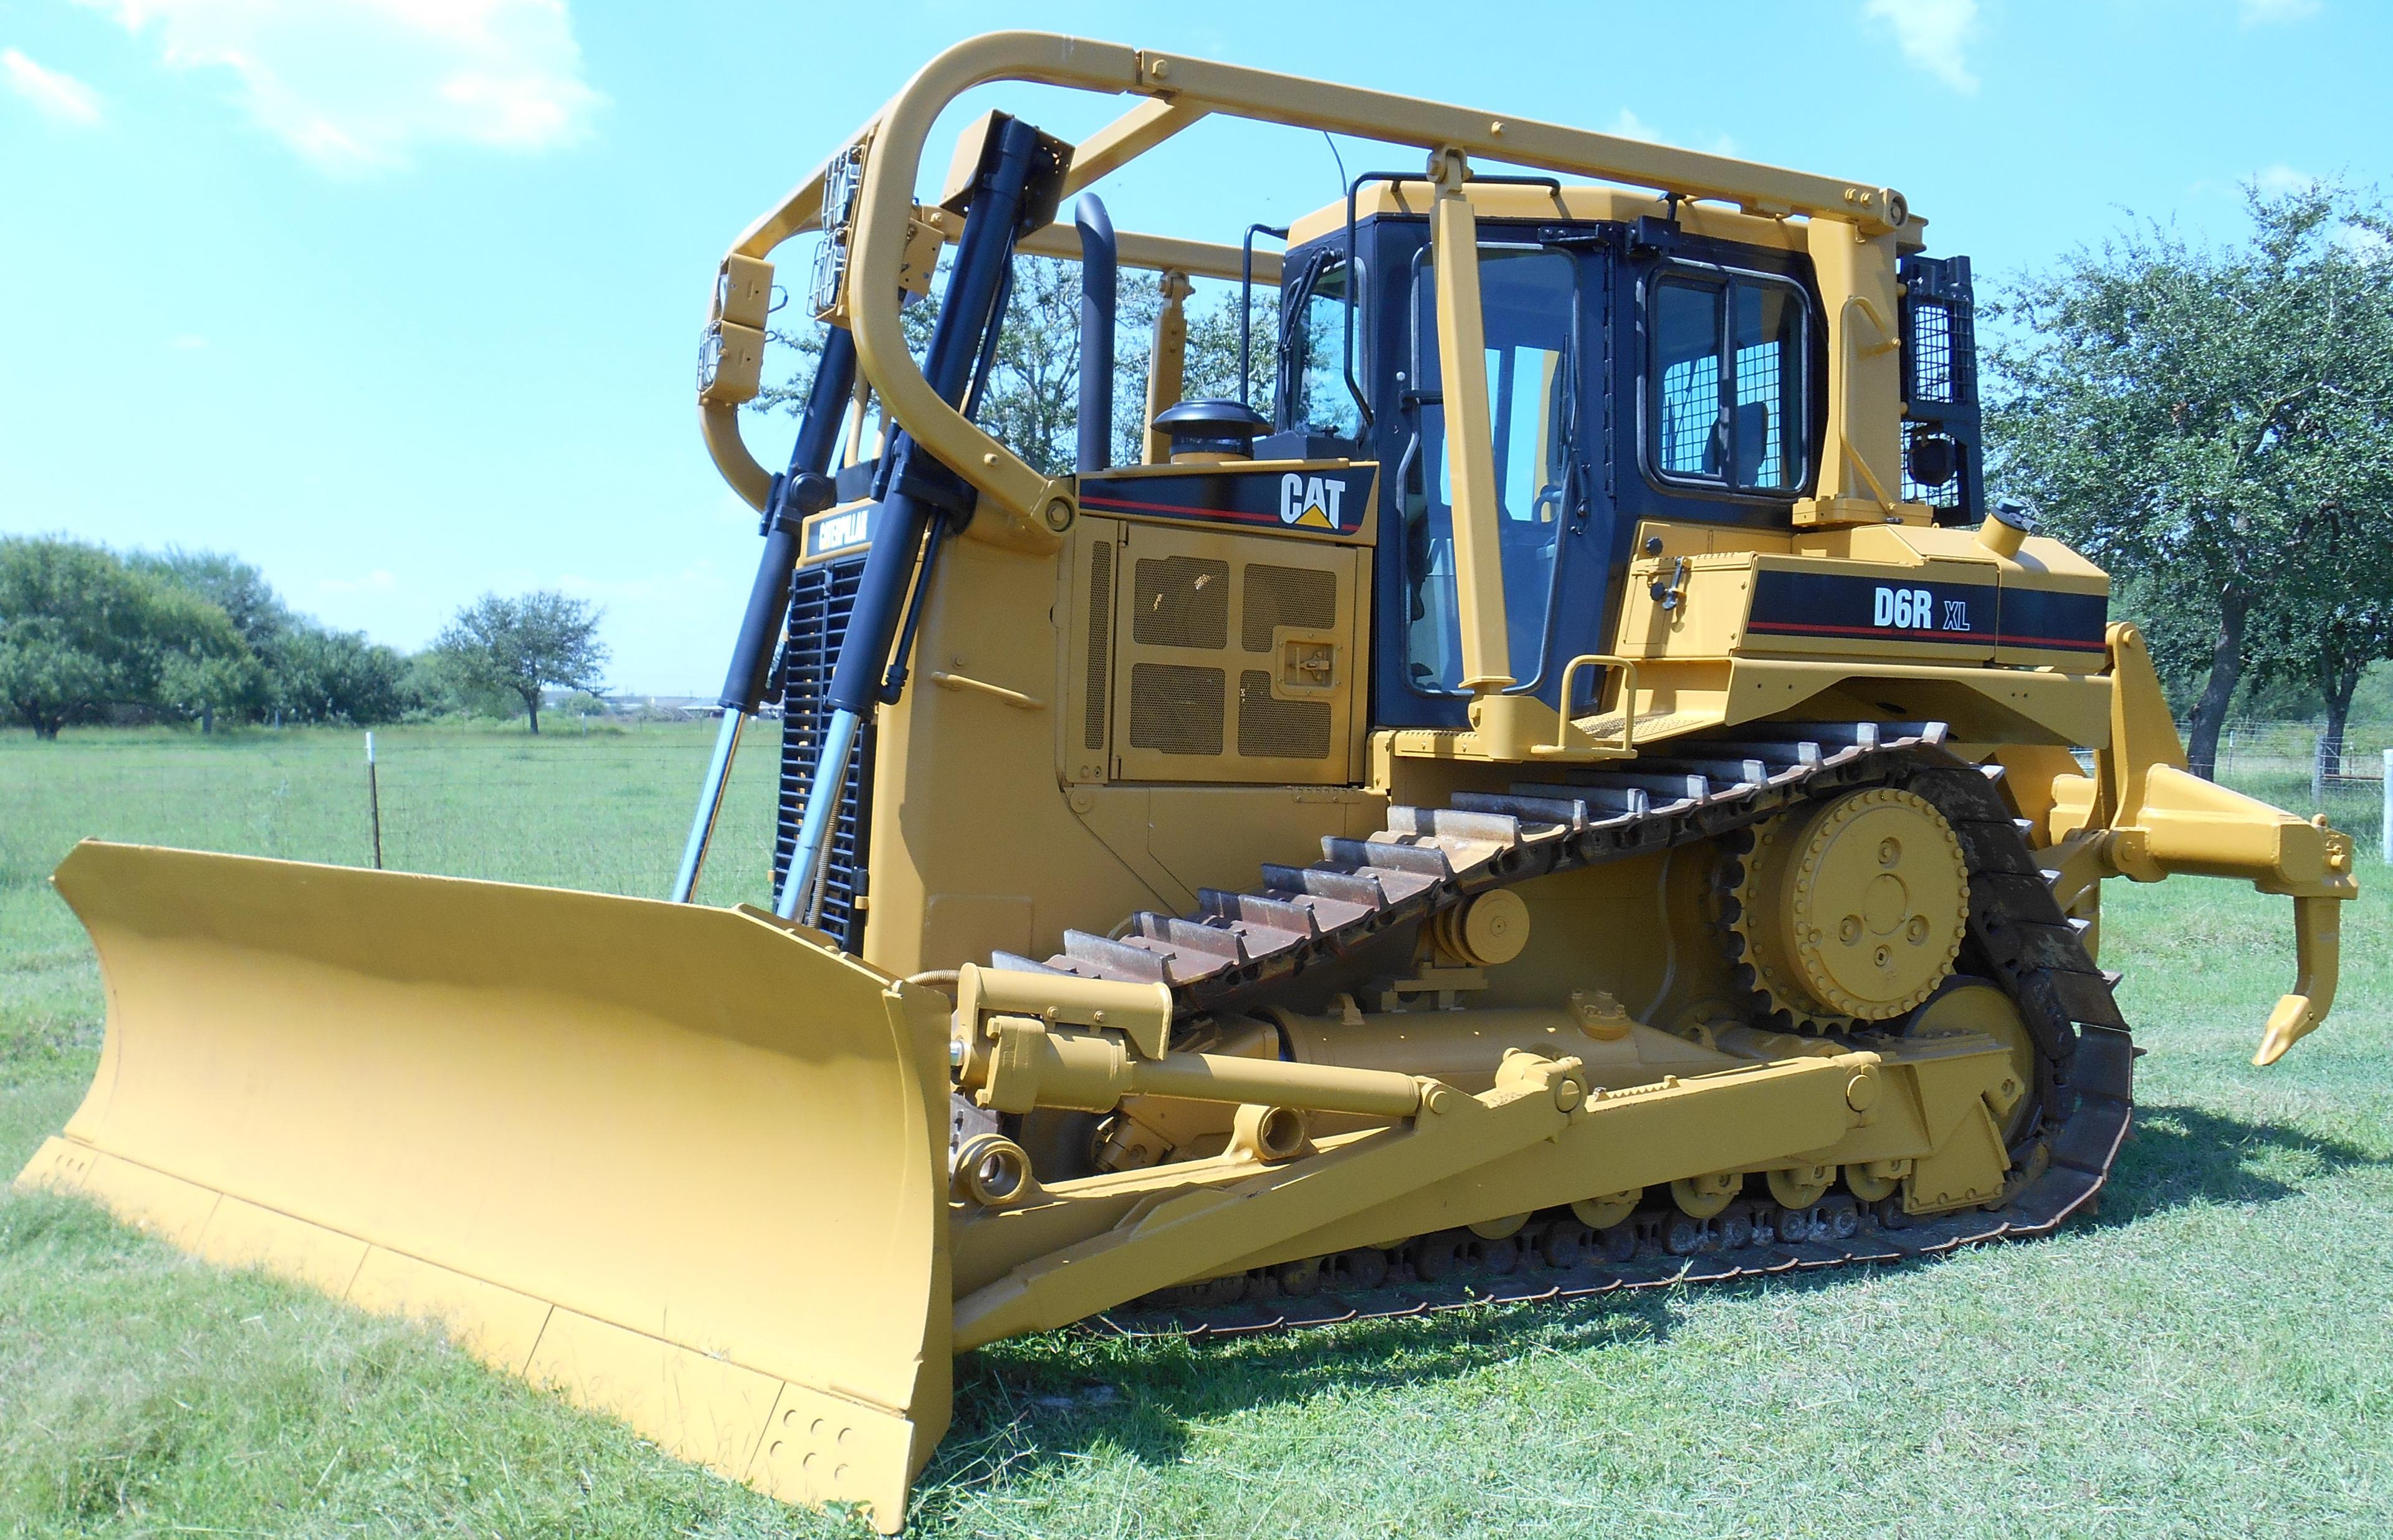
(316, 674)
(227, 581)
(1032, 403)
(2335, 616)
(80, 630)
(2191, 415)
(521, 645)
(306, 671)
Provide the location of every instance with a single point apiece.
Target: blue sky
(399, 299)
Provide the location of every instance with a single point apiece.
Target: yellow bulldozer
(1576, 792)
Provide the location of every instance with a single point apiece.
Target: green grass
(2213, 1354)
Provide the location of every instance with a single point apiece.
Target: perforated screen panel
(1233, 659)
(1175, 709)
(1101, 640)
(1761, 453)
(1279, 729)
(1942, 426)
(1180, 602)
(1305, 597)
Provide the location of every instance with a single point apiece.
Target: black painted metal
(1016, 154)
(1940, 383)
(1247, 308)
(1100, 296)
(805, 484)
(820, 599)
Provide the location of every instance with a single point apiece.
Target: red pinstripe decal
(2004, 639)
(1124, 504)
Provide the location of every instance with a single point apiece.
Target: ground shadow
(1025, 1407)
(2178, 1154)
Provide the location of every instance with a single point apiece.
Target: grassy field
(2213, 1354)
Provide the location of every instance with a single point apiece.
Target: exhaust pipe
(1099, 297)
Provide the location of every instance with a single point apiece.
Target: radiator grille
(1101, 639)
(819, 602)
(1175, 710)
(1182, 602)
(1300, 597)
(1279, 729)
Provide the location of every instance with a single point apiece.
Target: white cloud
(359, 85)
(2262, 13)
(56, 94)
(1932, 34)
(1629, 126)
(2279, 179)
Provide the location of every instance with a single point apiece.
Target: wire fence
(607, 810)
(2270, 747)
(603, 811)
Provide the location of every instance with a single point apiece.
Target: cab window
(1528, 306)
(1724, 390)
(1314, 342)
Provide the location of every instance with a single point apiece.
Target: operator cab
(1646, 359)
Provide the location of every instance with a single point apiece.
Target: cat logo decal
(1311, 501)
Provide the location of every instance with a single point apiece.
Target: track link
(1240, 948)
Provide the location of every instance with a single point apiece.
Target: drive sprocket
(1850, 909)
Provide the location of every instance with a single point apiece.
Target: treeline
(1030, 401)
(2214, 426)
(90, 635)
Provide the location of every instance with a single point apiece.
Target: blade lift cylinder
(914, 491)
(804, 489)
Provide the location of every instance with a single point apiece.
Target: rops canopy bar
(1028, 505)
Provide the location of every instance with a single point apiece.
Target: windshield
(1527, 299)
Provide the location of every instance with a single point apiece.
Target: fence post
(373, 803)
(2387, 786)
(2318, 775)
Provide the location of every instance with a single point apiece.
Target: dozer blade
(681, 1163)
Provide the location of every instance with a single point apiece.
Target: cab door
(1539, 367)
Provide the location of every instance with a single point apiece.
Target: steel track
(1242, 948)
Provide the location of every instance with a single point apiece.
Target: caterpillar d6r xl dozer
(1616, 811)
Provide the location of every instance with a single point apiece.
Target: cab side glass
(1323, 404)
(1769, 404)
(1686, 378)
(1724, 391)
